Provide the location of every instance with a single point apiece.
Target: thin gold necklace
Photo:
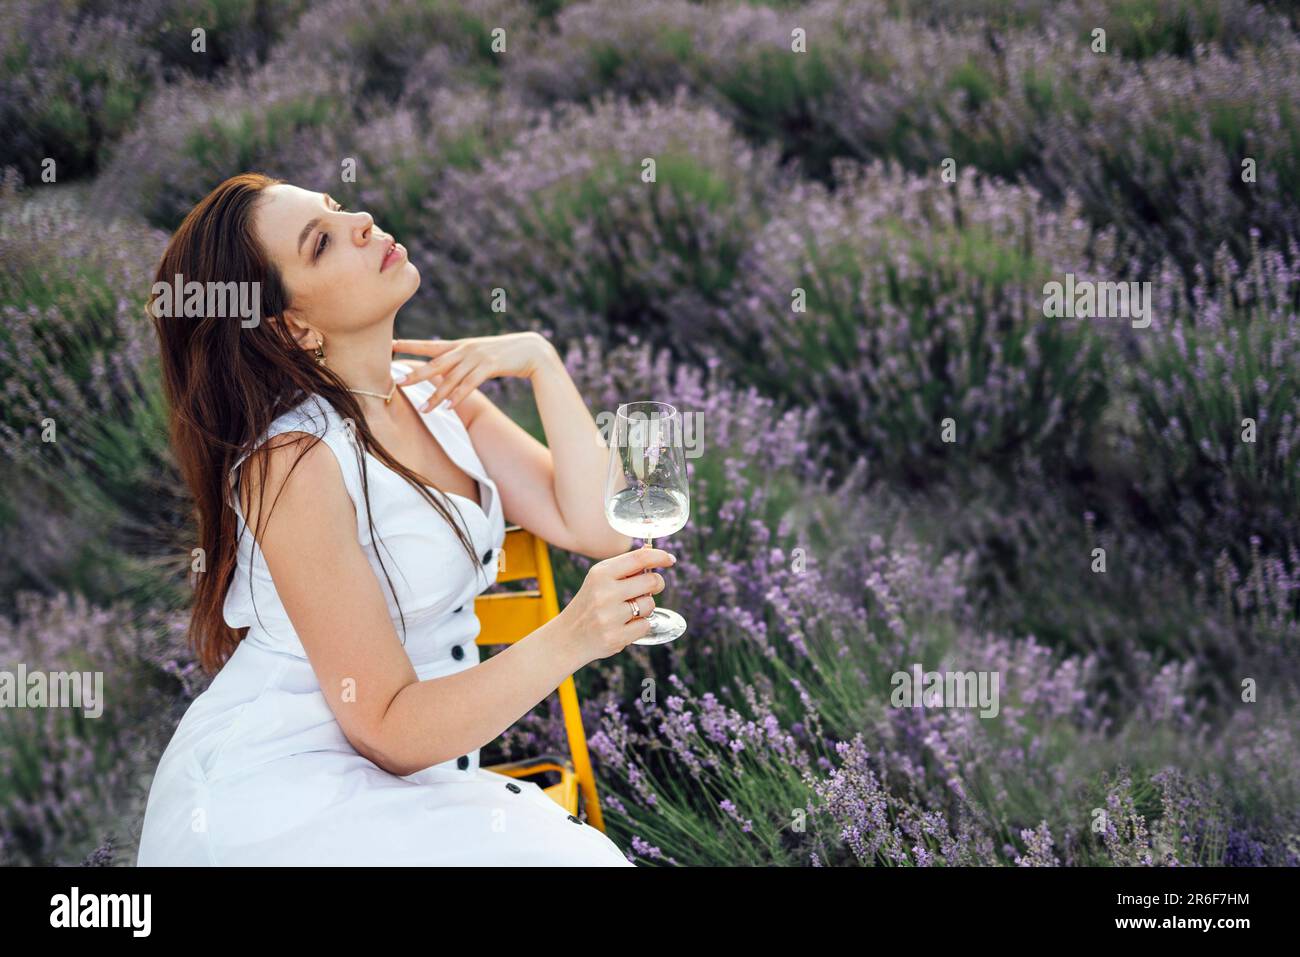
(378, 395)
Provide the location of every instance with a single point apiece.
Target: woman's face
(342, 272)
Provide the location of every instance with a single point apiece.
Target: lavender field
(841, 264)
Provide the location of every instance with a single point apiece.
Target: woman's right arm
(336, 604)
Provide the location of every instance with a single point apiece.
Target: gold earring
(320, 351)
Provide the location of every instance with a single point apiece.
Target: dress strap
(315, 416)
(451, 435)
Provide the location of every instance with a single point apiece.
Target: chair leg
(578, 752)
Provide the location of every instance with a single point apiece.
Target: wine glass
(646, 494)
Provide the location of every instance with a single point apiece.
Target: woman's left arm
(557, 490)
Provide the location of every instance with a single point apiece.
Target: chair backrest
(518, 557)
(507, 616)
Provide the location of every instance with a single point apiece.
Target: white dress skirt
(259, 772)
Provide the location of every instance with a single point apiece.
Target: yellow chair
(506, 617)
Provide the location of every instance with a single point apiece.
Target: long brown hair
(225, 383)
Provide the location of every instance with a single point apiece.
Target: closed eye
(324, 237)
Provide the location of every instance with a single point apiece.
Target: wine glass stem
(650, 543)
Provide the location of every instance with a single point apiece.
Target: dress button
(462, 762)
(457, 652)
(487, 557)
(513, 787)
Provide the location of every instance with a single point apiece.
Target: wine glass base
(665, 626)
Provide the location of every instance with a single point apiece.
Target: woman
(346, 523)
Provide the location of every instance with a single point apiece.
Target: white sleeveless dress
(259, 772)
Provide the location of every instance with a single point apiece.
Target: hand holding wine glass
(646, 492)
(599, 618)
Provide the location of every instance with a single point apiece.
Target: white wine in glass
(646, 494)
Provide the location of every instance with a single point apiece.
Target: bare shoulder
(295, 471)
(473, 406)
